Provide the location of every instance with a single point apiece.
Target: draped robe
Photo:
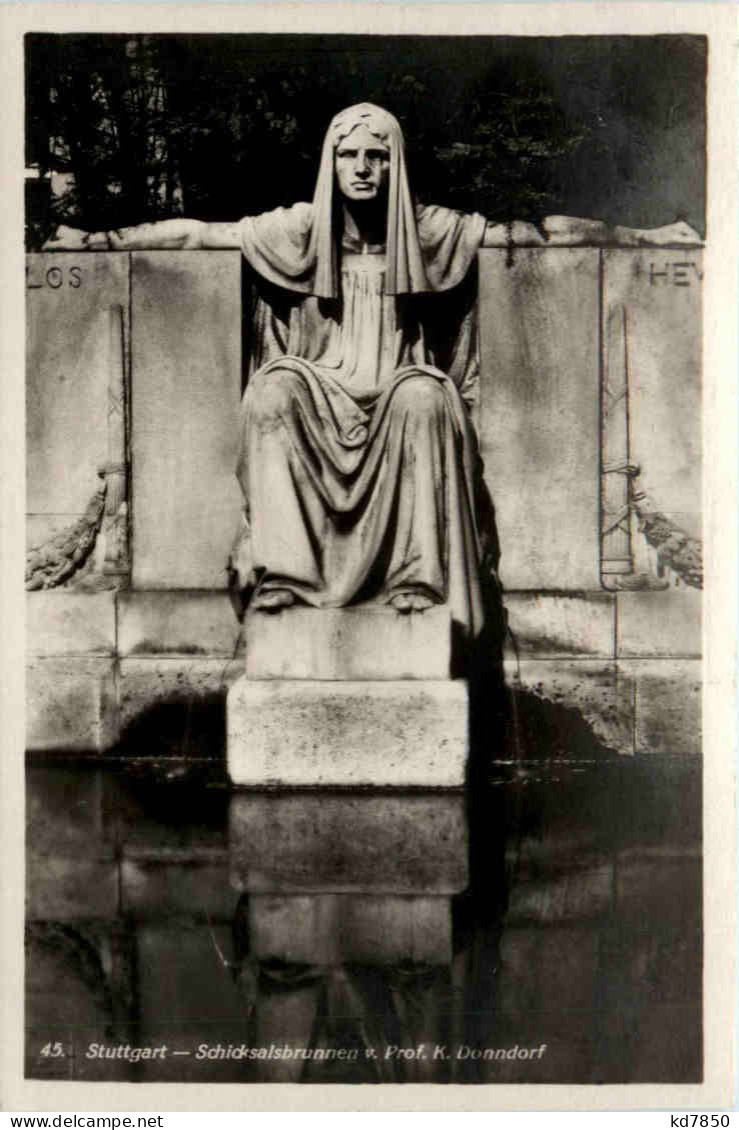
(359, 463)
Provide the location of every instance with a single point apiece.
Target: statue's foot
(405, 602)
(273, 600)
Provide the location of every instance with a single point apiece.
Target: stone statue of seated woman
(359, 462)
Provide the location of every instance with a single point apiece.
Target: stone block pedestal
(405, 733)
(337, 644)
(348, 697)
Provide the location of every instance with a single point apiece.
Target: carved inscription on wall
(38, 277)
(68, 355)
(683, 272)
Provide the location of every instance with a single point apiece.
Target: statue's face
(362, 165)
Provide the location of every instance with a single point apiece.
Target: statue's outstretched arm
(575, 231)
(173, 235)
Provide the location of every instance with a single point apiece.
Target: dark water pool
(545, 928)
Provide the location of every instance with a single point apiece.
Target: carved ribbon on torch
(619, 498)
(115, 531)
(617, 470)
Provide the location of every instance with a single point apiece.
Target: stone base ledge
(558, 625)
(668, 705)
(573, 707)
(365, 642)
(171, 622)
(70, 705)
(65, 623)
(405, 733)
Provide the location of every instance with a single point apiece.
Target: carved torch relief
(651, 418)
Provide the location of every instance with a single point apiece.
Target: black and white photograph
(365, 400)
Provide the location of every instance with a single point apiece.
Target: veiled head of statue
(366, 134)
(378, 121)
(363, 137)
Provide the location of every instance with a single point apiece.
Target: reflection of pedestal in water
(356, 877)
(347, 927)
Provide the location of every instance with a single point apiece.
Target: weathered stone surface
(70, 704)
(539, 389)
(572, 231)
(176, 623)
(186, 316)
(61, 887)
(68, 299)
(329, 929)
(149, 680)
(668, 704)
(391, 843)
(293, 732)
(157, 890)
(656, 293)
(67, 623)
(569, 626)
(518, 233)
(175, 706)
(660, 623)
(349, 643)
(587, 706)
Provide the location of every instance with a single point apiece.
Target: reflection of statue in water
(359, 463)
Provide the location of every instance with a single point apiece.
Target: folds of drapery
(438, 329)
(360, 502)
(283, 249)
(353, 494)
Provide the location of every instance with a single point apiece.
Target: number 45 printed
(52, 1051)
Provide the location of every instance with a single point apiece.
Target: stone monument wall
(589, 417)
(590, 371)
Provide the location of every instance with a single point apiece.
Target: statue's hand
(68, 239)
